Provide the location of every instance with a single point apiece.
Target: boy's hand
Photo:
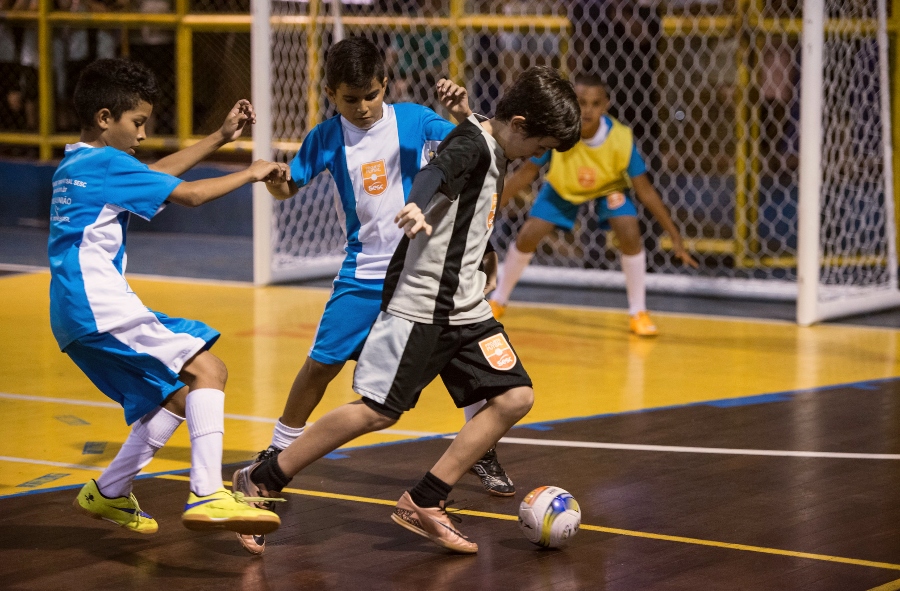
(454, 98)
(271, 172)
(240, 116)
(412, 220)
(684, 255)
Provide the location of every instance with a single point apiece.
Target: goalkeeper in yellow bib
(602, 166)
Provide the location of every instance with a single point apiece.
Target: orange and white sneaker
(497, 308)
(642, 325)
(432, 523)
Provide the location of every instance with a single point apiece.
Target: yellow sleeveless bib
(584, 173)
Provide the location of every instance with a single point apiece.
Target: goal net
(712, 90)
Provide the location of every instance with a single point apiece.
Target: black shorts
(401, 357)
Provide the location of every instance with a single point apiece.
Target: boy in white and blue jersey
(372, 150)
(434, 320)
(158, 368)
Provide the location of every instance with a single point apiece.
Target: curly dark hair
(548, 104)
(114, 84)
(355, 61)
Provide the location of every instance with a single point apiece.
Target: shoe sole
(493, 492)
(434, 539)
(261, 525)
(93, 515)
(254, 544)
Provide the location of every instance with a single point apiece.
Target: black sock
(270, 475)
(430, 491)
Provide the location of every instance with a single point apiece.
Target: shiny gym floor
(727, 453)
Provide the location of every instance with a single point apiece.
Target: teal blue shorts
(550, 207)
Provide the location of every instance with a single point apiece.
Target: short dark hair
(593, 80)
(548, 104)
(355, 61)
(114, 84)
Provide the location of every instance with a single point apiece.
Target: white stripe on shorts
(146, 334)
(380, 357)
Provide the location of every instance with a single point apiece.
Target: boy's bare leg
(307, 391)
(634, 267)
(482, 432)
(517, 258)
(333, 430)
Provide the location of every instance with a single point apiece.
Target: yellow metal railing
(750, 27)
(747, 22)
(185, 24)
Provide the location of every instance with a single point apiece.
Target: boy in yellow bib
(602, 166)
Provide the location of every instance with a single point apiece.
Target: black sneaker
(493, 476)
(269, 452)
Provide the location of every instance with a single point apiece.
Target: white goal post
(764, 126)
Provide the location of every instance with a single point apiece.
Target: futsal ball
(549, 516)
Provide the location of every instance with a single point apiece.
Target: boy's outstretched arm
(194, 193)
(650, 199)
(412, 217)
(519, 181)
(240, 117)
(454, 98)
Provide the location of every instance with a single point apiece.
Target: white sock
(634, 266)
(510, 272)
(148, 434)
(473, 409)
(283, 435)
(206, 423)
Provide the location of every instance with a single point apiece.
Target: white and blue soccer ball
(549, 516)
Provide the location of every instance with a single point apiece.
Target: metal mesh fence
(855, 236)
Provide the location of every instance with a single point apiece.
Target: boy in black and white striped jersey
(434, 319)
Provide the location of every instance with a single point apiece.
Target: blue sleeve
(636, 165)
(309, 160)
(543, 159)
(435, 127)
(131, 185)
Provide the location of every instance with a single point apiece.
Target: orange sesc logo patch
(490, 220)
(374, 175)
(587, 176)
(498, 352)
(615, 200)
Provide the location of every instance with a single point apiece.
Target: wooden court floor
(724, 454)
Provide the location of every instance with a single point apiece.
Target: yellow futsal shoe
(642, 326)
(228, 510)
(123, 511)
(497, 309)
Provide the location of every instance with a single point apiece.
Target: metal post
(808, 227)
(261, 96)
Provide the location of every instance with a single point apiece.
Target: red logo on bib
(587, 176)
(374, 175)
(615, 200)
(498, 352)
(490, 220)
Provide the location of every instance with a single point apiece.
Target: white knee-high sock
(473, 409)
(510, 272)
(148, 434)
(634, 266)
(283, 435)
(206, 423)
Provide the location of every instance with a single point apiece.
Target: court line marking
(696, 450)
(529, 441)
(518, 304)
(892, 586)
(610, 530)
(101, 404)
(54, 464)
